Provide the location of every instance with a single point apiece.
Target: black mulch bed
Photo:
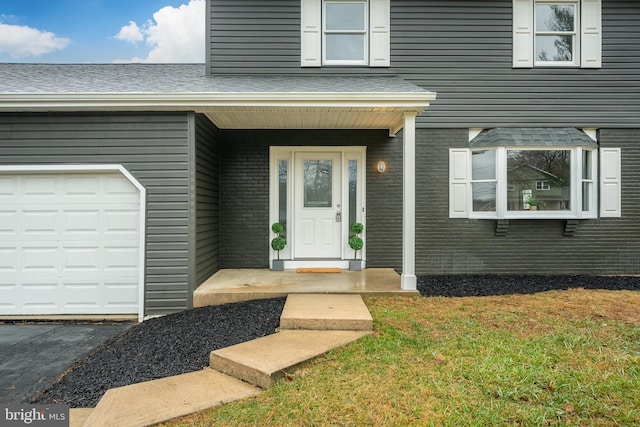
(181, 342)
(162, 347)
(486, 285)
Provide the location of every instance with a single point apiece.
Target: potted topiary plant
(356, 243)
(277, 244)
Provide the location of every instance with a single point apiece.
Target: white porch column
(408, 278)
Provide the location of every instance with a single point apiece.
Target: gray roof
(178, 78)
(532, 137)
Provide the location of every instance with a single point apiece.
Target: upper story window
(536, 177)
(556, 41)
(557, 33)
(344, 33)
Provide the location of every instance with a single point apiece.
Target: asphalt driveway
(33, 356)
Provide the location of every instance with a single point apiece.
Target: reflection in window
(587, 180)
(283, 166)
(530, 171)
(483, 180)
(556, 35)
(318, 176)
(353, 186)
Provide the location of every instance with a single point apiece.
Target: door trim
(285, 155)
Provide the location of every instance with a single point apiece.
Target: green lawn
(554, 358)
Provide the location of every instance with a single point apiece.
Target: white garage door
(69, 244)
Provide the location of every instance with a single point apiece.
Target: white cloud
(174, 35)
(130, 33)
(21, 41)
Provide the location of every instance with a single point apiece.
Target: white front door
(318, 205)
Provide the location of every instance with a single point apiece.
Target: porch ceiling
(309, 117)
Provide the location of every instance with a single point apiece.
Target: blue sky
(101, 31)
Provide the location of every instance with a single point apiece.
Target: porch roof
(231, 102)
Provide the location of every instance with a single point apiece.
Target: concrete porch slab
(228, 286)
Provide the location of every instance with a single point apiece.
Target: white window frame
(312, 34)
(588, 49)
(364, 32)
(461, 188)
(575, 53)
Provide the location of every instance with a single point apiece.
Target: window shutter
(311, 35)
(591, 33)
(610, 183)
(379, 41)
(523, 33)
(459, 183)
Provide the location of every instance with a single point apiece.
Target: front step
(326, 312)
(155, 401)
(266, 360)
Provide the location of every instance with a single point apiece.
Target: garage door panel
(69, 244)
(118, 259)
(81, 259)
(40, 222)
(8, 223)
(10, 297)
(39, 259)
(81, 221)
(120, 221)
(43, 295)
(9, 260)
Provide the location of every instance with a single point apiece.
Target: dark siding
(154, 148)
(245, 192)
(464, 246)
(261, 37)
(207, 164)
(461, 49)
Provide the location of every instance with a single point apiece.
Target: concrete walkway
(310, 325)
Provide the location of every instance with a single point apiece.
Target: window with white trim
(345, 32)
(552, 33)
(506, 182)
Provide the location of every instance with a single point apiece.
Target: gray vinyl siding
(465, 246)
(154, 148)
(244, 224)
(461, 49)
(207, 192)
(260, 37)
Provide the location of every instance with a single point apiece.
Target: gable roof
(230, 101)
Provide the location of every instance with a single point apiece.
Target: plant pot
(277, 265)
(533, 208)
(355, 265)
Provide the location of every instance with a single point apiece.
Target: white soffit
(287, 110)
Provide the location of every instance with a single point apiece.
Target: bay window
(536, 177)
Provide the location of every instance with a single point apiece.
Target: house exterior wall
(154, 148)
(460, 49)
(244, 166)
(536, 246)
(207, 193)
